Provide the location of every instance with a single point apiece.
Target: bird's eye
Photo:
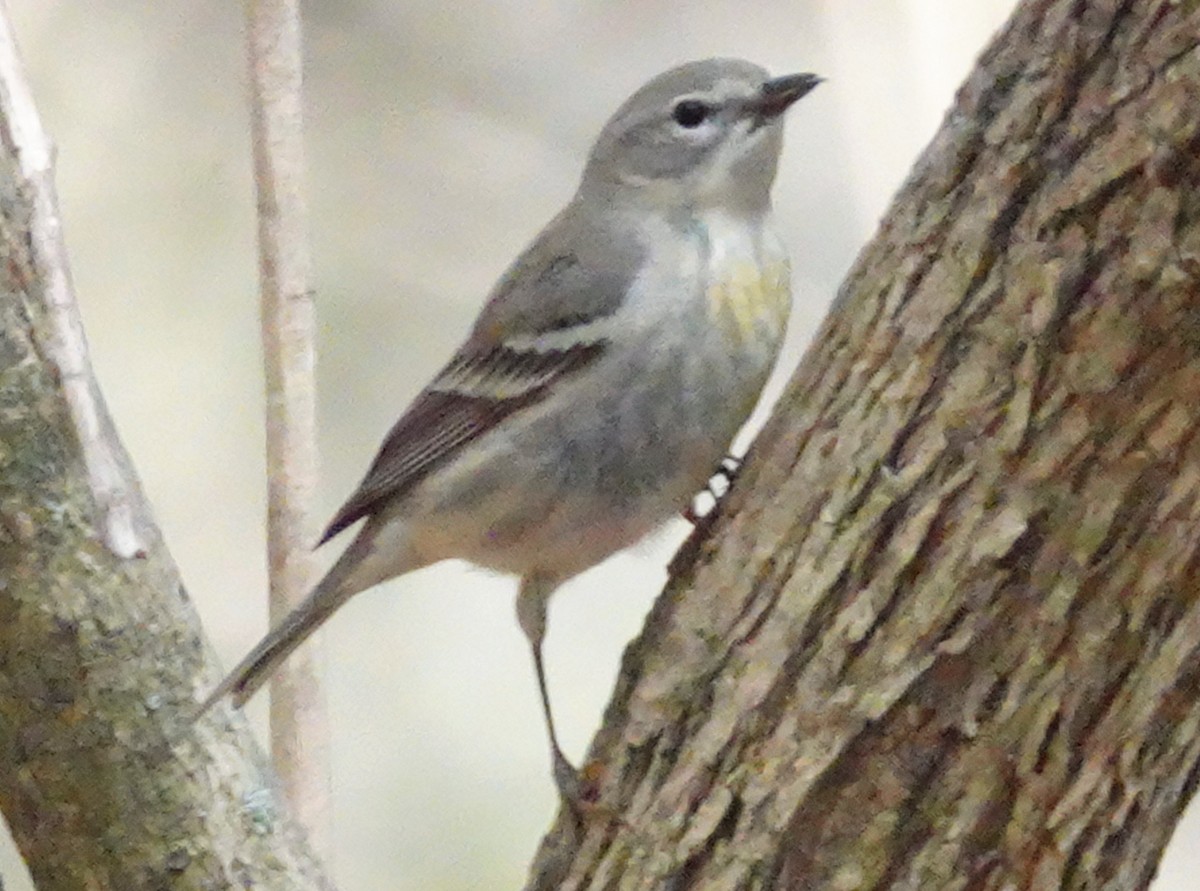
(690, 113)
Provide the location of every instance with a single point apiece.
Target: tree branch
(106, 780)
(946, 633)
(122, 513)
(299, 718)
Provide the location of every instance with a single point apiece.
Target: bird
(605, 377)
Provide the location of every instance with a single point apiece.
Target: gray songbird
(604, 379)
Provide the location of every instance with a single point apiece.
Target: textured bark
(106, 780)
(946, 633)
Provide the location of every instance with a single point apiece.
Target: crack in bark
(1133, 515)
(820, 620)
(693, 866)
(914, 830)
(1086, 210)
(905, 579)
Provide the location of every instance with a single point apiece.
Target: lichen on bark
(106, 781)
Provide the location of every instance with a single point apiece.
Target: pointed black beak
(778, 94)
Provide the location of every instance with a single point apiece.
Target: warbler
(605, 377)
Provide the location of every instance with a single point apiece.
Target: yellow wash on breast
(749, 278)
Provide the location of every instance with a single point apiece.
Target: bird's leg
(531, 613)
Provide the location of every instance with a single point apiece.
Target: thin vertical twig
(299, 720)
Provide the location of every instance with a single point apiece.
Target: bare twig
(299, 721)
(122, 514)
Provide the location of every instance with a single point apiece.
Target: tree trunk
(946, 632)
(106, 779)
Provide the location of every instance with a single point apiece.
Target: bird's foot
(730, 467)
(718, 487)
(702, 521)
(580, 791)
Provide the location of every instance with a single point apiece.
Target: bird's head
(704, 134)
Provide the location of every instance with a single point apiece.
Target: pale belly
(563, 488)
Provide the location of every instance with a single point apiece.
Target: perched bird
(604, 379)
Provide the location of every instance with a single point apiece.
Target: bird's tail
(256, 669)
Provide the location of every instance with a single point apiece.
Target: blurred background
(440, 137)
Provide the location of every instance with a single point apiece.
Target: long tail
(256, 669)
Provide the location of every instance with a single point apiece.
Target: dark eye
(690, 113)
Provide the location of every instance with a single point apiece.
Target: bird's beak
(778, 94)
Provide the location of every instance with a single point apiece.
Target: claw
(727, 470)
(579, 790)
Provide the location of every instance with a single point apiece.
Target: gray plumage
(606, 375)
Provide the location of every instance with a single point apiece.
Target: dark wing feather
(547, 318)
(474, 393)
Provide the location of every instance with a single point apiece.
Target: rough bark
(946, 631)
(106, 780)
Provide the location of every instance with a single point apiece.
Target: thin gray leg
(532, 600)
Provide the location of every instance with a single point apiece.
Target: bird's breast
(747, 279)
(749, 300)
